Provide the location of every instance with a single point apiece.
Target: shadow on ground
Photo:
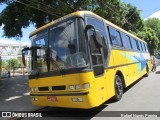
(158, 72)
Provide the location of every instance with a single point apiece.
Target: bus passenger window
(126, 40)
(143, 46)
(134, 45)
(146, 47)
(115, 37)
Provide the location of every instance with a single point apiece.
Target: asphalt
(14, 94)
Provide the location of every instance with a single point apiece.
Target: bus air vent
(58, 87)
(43, 89)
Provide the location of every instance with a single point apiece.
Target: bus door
(98, 57)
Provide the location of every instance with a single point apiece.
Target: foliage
(22, 13)
(3, 63)
(150, 37)
(121, 14)
(154, 23)
(133, 20)
(11, 63)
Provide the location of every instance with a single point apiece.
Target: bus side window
(115, 37)
(143, 46)
(133, 43)
(146, 47)
(126, 41)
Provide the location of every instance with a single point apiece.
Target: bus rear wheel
(118, 86)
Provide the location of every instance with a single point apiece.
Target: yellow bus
(81, 60)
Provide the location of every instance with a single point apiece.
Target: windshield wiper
(57, 66)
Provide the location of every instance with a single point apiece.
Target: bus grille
(53, 88)
(58, 87)
(43, 88)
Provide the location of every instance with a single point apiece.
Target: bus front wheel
(118, 87)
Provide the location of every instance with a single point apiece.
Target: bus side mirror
(23, 58)
(98, 39)
(23, 55)
(96, 36)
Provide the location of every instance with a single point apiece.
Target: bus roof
(81, 14)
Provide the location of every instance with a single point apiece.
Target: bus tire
(147, 71)
(118, 87)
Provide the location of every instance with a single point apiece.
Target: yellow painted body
(130, 69)
(98, 91)
(101, 88)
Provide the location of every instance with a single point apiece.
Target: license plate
(52, 98)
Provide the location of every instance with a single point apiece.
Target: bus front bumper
(78, 99)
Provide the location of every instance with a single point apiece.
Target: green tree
(11, 63)
(154, 23)
(133, 19)
(150, 37)
(3, 63)
(22, 13)
(121, 14)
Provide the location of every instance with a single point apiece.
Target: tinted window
(115, 37)
(97, 24)
(146, 47)
(133, 42)
(126, 40)
(143, 48)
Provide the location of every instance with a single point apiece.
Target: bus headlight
(33, 89)
(78, 87)
(86, 85)
(72, 87)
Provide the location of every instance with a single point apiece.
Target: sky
(148, 8)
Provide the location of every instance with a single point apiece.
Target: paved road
(14, 94)
(144, 95)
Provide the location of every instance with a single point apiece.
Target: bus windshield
(62, 49)
(38, 53)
